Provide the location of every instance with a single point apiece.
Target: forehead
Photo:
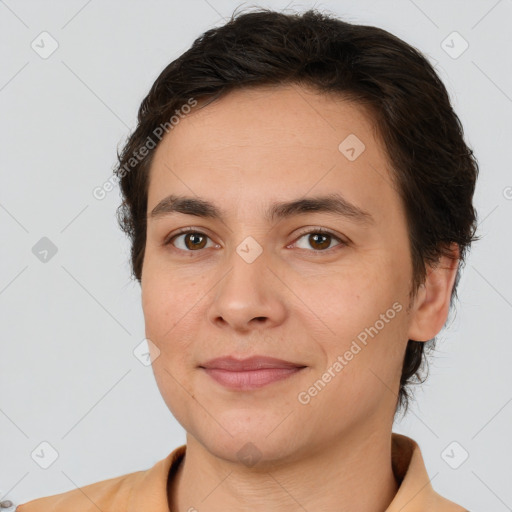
(274, 116)
(273, 141)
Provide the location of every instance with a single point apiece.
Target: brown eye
(319, 240)
(190, 241)
(195, 240)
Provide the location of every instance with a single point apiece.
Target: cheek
(169, 320)
(165, 310)
(168, 308)
(166, 292)
(352, 298)
(364, 310)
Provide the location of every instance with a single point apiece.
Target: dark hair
(432, 167)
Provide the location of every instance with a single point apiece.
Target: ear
(432, 302)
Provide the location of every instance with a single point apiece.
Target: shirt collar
(415, 492)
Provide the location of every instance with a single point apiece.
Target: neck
(354, 475)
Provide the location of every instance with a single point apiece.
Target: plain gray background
(68, 374)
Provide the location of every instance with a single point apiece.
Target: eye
(319, 239)
(191, 240)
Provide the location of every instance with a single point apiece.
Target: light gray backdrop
(71, 319)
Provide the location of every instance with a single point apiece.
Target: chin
(259, 447)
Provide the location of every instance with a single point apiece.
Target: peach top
(147, 490)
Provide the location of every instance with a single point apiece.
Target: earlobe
(432, 302)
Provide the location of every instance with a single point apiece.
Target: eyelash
(309, 231)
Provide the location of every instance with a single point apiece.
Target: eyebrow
(332, 203)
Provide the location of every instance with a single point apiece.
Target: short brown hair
(434, 170)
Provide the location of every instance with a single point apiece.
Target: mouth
(252, 373)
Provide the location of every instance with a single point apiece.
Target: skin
(293, 302)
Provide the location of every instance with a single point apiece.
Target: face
(323, 288)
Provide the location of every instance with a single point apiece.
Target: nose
(249, 296)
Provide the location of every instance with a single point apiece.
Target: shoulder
(108, 495)
(443, 504)
(415, 492)
(142, 490)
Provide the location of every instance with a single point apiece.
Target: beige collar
(415, 493)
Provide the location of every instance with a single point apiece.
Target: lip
(234, 364)
(251, 373)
